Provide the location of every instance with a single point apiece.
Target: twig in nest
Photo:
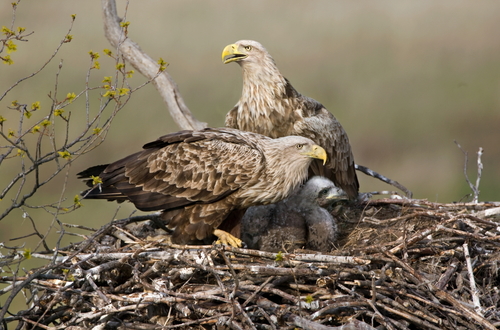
(269, 279)
(266, 316)
(275, 291)
(235, 303)
(406, 315)
(38, 324)
(88, 277)
(310, 325)
(473, 288)
(71, 225)
(474, 188)
(382, 319)
(417, 278)
(445, 277)
(199, 321)
(479, 172)
(300, 256)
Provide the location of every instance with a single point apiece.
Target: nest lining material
(398, 265)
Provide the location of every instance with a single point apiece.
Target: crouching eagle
(197, 178)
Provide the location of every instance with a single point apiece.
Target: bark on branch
(143, 63)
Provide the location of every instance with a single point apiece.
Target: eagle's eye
(300, 146)
(248, 48)
(323, 192)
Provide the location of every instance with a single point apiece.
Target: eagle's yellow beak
(316, 152)
(232, 53)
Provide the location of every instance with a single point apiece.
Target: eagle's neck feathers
(297, 171)
(266, 105)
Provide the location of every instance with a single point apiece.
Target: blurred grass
(405, 79)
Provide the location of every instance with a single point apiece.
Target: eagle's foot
(227, 239)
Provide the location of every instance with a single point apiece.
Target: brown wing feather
(198, 221)
(232, 118)
(322, 127)
(190, 176)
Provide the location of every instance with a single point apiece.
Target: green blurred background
(404, 78)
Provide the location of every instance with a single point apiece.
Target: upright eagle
(269, 105)
(196, 178)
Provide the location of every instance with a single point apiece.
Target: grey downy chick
(300, 221)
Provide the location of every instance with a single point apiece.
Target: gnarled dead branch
(163, 82)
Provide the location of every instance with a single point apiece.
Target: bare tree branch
(163, 82)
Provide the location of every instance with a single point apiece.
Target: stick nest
(399, 264)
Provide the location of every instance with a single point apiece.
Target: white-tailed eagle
(197, 178)
(269, 105)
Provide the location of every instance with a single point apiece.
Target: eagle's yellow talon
(227, 239)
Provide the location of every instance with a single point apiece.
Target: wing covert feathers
(197, 178)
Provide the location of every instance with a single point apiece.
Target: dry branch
(149, 68)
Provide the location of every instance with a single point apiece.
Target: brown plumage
(196, 178)
(269, 105)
